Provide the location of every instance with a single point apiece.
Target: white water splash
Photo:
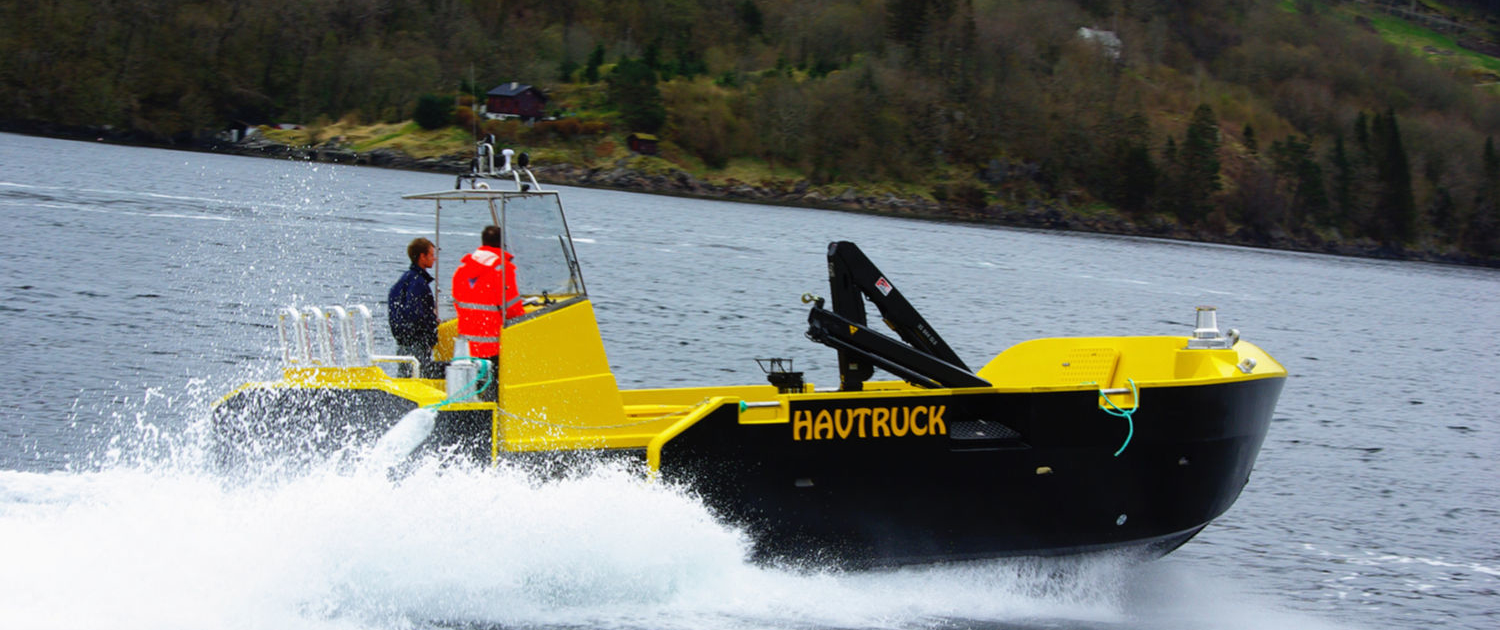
(127, 549)
(147, 540)
(400, 440)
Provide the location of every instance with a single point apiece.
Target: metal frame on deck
(335, 336)
(497, 216)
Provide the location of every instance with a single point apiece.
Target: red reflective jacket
(478, 299)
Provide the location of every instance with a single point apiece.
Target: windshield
(537, 235)
(459, 224)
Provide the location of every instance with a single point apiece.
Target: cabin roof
(512, 89)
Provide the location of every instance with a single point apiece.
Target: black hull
(288, 430)
(1038, 478)
(1050, 485)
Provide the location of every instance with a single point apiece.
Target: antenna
(473, 105)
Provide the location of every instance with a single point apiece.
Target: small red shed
(515, 99)
(642, 143)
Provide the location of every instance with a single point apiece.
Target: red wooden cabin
(516, 99)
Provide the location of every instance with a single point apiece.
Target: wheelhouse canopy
(535, 233)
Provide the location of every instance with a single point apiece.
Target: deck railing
(334, 336)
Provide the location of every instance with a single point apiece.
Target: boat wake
(137, 546)
(157, 542)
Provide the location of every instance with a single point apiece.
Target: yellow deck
(557, 392)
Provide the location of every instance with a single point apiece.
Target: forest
(1269, 121)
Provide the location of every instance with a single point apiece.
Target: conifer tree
(1169, 182)
(1130, 175)
(591, 69)
(1396, 208)
(633, 91)
(1482, 233)
(751, 17)
(652, 58)
(1199, 166)
(1294, 160)
(910, 21)
(1362, 212)
(1491, 165)
(1343, 183)
(961, 62)
(566, 69)
(1362, 133)
(433, 111)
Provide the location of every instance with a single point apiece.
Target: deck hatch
(1089, 365)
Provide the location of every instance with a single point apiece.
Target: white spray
(401, 440)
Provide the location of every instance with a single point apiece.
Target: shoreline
(1033, 214)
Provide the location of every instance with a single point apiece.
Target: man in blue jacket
(413, 313)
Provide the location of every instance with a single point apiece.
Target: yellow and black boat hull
(1035, 464)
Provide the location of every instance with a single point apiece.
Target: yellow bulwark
(556, 389)
(1073, 363)
(557, 392)
(422, 392)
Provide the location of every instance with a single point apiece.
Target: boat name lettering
(868, 422)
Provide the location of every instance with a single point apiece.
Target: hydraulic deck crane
(924, 359)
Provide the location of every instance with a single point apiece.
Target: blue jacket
(412, 313)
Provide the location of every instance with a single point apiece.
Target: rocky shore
(631, 174)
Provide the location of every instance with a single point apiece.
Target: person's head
(490, 237)
(421, 252)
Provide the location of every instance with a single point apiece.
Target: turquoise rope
(472, 388)
(1115, 410)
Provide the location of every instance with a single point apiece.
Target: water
(140, 285)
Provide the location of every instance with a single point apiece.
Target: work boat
(1055, 446)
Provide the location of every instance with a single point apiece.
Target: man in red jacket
(485, 295)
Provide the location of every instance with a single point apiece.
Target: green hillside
(1442, 33)
(1345, 126)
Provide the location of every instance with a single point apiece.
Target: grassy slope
(406, 137)
(1418, 39)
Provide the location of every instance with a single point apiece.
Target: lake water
(140, 285)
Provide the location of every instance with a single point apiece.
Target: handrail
(321, 334)
(483, 166)
(347, 339)
(365, 316)
(294, 344)
(416, 366)
(701, 411)
(332, 336)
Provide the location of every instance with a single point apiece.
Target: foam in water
(128, 548)
(398, 443)
(150, 540)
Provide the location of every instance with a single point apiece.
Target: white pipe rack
(334, 336)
